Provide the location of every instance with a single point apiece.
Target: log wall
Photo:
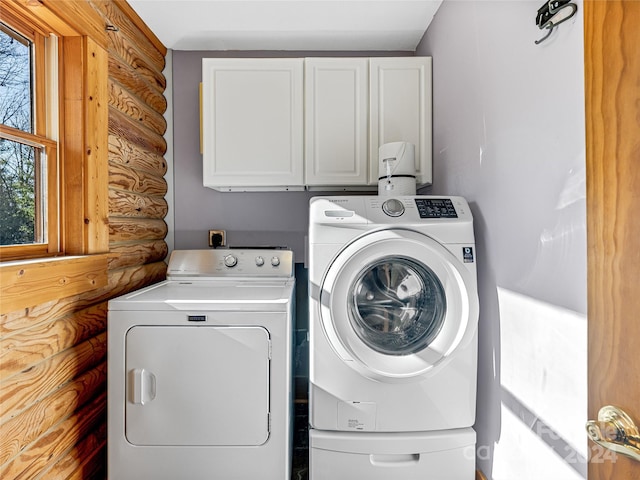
(53, 353)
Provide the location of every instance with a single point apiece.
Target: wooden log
(49, 278)
(121, 46)
(119, 282)
(127, 77)
(87, 460)
(137, 181)
(122, 229)
(128, 279)
(30, 317)
(21, 391)
(132, 278)
(124, 152)
(127, 204)
(52, 446)
(18, 432)
(123, 126)
(143, 27)
(132, 254)
(116, 16)
(28, 347)
(133, 107)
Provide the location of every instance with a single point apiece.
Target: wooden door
(612, 75)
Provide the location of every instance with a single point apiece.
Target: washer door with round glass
(396, 304)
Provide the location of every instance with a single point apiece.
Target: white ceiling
(351, 25)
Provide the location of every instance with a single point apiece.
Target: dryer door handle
(142, 386)
(397, 460)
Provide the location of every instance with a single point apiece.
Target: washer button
(393, 207)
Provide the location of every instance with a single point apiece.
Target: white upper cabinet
(401, 110)
(336, 121)
(293, 123)
(252, 124)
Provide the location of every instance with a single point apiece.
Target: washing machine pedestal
(438, 455)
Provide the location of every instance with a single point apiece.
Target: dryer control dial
(230, 260)
(275, 261)
(259, 261)
(393, 207)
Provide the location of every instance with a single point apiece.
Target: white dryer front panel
(197, 386)
(395, 304)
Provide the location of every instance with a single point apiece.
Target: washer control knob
(230, 260)
(259, 261)
(393, 207)
(275, 261)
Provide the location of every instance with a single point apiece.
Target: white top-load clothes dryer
(199, 377)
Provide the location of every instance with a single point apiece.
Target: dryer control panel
(230, 262)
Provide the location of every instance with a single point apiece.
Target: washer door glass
(397, 306)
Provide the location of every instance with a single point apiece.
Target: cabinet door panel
(252, 122)
(336, 108)
(401, 110)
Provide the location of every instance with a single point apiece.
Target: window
(28, 150)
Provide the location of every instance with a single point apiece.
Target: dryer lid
(210, 295)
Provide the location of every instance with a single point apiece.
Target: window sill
(27, 283)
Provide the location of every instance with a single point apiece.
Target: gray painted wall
(509, 136)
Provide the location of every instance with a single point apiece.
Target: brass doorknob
(614, 430)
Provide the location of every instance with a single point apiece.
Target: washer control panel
(427, 208)
(436, 208)
(225, 262)
(418, 208)
(371, 209)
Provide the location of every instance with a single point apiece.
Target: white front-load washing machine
(199, 378)
(393, 337)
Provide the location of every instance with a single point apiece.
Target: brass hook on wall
(552, 14)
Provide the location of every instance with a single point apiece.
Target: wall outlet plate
(217, 238)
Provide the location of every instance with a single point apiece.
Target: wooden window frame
(82, 124)
(45, 119)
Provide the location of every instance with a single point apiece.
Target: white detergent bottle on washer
(396, 169)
